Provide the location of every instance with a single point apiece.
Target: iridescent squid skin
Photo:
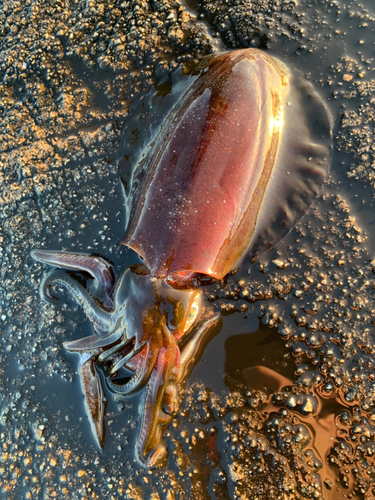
(235, 165)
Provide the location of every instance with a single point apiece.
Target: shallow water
(308, 430)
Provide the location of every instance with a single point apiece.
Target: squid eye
(193, 312)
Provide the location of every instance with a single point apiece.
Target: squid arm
(95, 400)
(173, 365)
(98, 268)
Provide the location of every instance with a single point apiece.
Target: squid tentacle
(100, 270)
(100, 318)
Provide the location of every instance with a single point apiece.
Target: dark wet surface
(300, 318)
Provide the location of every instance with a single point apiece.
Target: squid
(235, 165)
